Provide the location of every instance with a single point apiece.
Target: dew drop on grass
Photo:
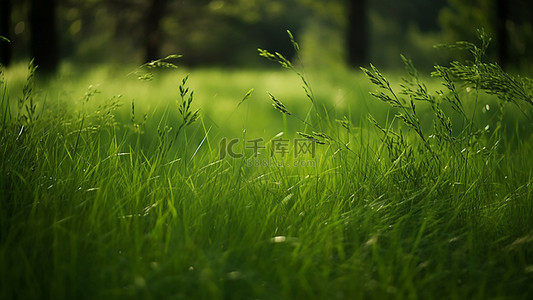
(234, 275)
(372, 241)
(278, 239)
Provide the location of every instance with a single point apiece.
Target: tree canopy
(228, 32)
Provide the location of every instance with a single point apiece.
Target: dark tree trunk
(502, 11)
(153, 35)
(357, 33)
(43, 43)
(5, 26)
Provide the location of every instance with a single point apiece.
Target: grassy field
(104, 195)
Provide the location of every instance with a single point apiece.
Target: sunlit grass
(92, 208)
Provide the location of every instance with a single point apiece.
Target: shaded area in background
(332, 33)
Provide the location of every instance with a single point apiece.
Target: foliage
(143, 72)
(476, 75)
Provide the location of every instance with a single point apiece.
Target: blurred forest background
(331, 33)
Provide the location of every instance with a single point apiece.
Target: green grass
(93, 206)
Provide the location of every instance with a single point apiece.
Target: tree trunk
(501, 31)
(5, 25)
(43, 43)
(357, 33)
(153, 35)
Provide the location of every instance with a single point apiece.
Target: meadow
(113, 187)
